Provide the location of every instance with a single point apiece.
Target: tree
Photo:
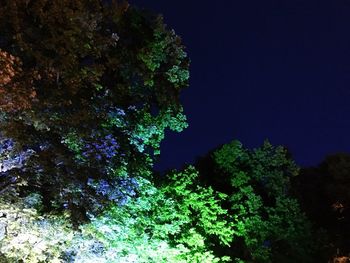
(171, 222)
(268, 224)
(323, 191)
(88, 88)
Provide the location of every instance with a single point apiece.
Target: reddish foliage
(15, 94)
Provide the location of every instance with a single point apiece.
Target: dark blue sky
(277, 70)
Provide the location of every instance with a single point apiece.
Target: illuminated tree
(199, 212)
(268, 224)
(171, 223)
(87, 89)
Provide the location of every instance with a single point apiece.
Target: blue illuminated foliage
(10, 157)
(105, 148)
(118, 191)
(6, 145)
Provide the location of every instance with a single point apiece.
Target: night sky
(277, 70)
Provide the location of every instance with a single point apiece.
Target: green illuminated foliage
(88, 89)
(137, 231)
(156, 226)
(150, 130)
(170, 223)
(199, 207)
(74, 144)
(177, 75)
(264, 215)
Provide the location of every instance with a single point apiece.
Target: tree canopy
(88, 88)
(267, 222)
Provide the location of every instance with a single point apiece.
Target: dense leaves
(267, 223)
(177, 218)
(88, 89)
(158, 225)
(162, 224)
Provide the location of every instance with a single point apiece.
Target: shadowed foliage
(88, 88)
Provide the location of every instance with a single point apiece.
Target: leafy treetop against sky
(88, 89)
(262, 69)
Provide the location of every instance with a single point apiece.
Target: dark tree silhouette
(323, 192)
